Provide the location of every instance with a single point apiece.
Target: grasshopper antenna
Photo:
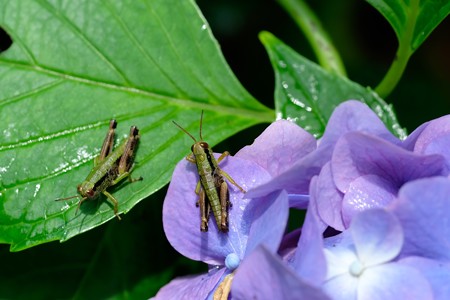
(67, 198)
(201, 124)
(185, 131)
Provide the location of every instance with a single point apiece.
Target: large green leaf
(127, 260)
(73, 66)
(412, 20)
(307, 94)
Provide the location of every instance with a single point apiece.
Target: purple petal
(350, 116)
(435, 139)
(423, 209)
(288, 244)
(436, 129)
(328, 199)
(262, 275)
(357, 154)
(270, 215)
(295, 180)
(310, 263)
(298, 201)
(343, 287)
(340, 254)
(368, 191)
(377, 235)
(190, 287)
(410, 142)
(281, 145)
(393, 281)
(181, 218)
(436, 272)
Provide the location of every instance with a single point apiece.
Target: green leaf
(130, 259)
(413, 21)
(307, 94)
(75, 65)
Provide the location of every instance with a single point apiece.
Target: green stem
(395, 72)
(404, 52)
(321, 44)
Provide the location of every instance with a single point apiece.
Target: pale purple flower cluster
(377, 224)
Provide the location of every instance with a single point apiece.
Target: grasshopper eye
(192, 148)
(90, 193)
(204, 145)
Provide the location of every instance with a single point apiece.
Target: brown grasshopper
(110, 167)
(211, 188)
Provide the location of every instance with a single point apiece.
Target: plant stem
(326, 53)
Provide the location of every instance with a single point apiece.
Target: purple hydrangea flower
(365, 172)
(361, 261)
(396, 253)
(252, 222)
(347, 117)
(383, 250)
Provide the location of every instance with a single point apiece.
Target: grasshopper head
(86, 190)
(203, 145)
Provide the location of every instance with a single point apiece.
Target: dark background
(134, 255)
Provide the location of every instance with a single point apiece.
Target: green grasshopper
(110, 167)
(212, 189)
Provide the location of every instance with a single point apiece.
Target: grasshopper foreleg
(191, 158)
(221, 157)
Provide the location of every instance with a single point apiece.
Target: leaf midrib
(266, 115)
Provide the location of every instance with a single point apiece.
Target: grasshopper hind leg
(224, 204)
(204, 206)
(108, 143)
(114, 202)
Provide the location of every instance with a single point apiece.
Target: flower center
(232, 261)
(356, 268)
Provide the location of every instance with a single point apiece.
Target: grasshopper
(110, 167)
(212, 189)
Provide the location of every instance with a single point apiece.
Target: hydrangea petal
(286, 140)
(270, 215)
(328, 199)
(298, 201)
(181, 218)
(377, 235)
(342, 287)
(393, 281)
(357, 154)
(340, 254)
(350, 116)
(435, 130)
(423, 209)
(436, 272)
(310, 263)
(190, 287)
(410, 142)
(295, 180)
(262, 275)
(368, 191)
